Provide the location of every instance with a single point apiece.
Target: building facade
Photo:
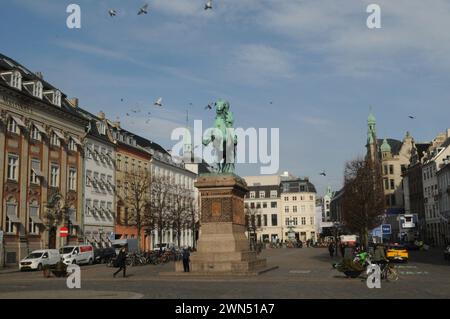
(100, 178)
(443, 178)
(262, 208)
(298, 205)
(41, 160)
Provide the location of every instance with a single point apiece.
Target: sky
(315, 60)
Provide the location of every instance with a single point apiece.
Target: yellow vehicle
(397, 252)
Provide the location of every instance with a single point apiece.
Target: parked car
(39, 258)
(82, 254)
(447, 253)
(104, 255)
(397, 252)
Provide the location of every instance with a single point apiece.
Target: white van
(39, 258)
(82, 254)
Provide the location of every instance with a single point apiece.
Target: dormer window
(101, 128)
(53, 96)
(13, 78)
(35, 134)
(34, 87)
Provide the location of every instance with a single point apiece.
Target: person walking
(331, 249)
(121, 262)
(186, 259)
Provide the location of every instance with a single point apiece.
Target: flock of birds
(144, 9)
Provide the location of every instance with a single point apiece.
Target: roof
(298, 186)
(395, 145)
(8, 64)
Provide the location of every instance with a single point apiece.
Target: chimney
(101, 115)
(39, 75)
(73, 101)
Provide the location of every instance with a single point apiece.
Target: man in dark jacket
(121, 262)
(331, 249)
(186, 257)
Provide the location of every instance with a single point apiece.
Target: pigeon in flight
(209, 106)
(208, 5)
(143, 10)
(411, 117)
(128, 114)
(112, 13)
(149, 113)
(158, 102)
(323, 173)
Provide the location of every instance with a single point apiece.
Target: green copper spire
(371, 130)
(385, 147)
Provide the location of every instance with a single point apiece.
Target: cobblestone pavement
(302, 273)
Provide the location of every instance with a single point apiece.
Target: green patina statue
(223, 138)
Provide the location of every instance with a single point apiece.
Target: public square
(302, 273)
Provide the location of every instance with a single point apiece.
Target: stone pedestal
(223, 247)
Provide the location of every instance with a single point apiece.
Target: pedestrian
(331, 249)
(186, 259)
(121, 262)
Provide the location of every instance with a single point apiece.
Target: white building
(163, 165)
(298, 201)
(262, 205)
(433, 162)
(99, 179)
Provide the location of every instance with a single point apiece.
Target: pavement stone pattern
(302, 273)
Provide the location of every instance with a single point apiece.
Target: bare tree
(137, 199)
(192, 218)
(178, 213)
(363, 199)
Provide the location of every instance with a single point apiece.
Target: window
(287, 222)
(294, 198)
(109, 207)
(33, 216)
(72, 179)
(88, 178)
(11, 216)
(96, 180)
(12, 126)
(252, 205)
(393, 200)
(258, 205)
(54, 140)
(386, 184)
(303, 208)
(88, 207)
(303, 220)
(264, 205)
(258, 220)
(101, 128)
(109, 181)
(311, 220)
(385, 167)
(54, 175)
(35, 171)
(286, 209)
(72, 146)
(252, 194)
(13, 167)
(264, 220)
(392, 184)
(311, 197)
(391, 169)
(273, 194)
(35, 134)
(403, 168)
(262, 194)
(273, 204)
(302, 198)
(13, 78)
(286, 198)
(119, 164)
(274, 220)
(294, 209)
(295, 221)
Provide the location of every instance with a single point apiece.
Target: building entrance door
(52, 238)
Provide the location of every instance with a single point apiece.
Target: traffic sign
(63, 232)
(386, 228)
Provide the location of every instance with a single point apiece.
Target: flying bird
(208, 5)
(209, 106)
(323, 173)
(158, 102)
(112, 13)
(146, 122)
(271, 102)
(411, 117)
(143, 10)
(149, 113)
(128, 114)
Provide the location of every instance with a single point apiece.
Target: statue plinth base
(223, 247)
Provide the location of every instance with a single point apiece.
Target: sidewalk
(8, 270)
